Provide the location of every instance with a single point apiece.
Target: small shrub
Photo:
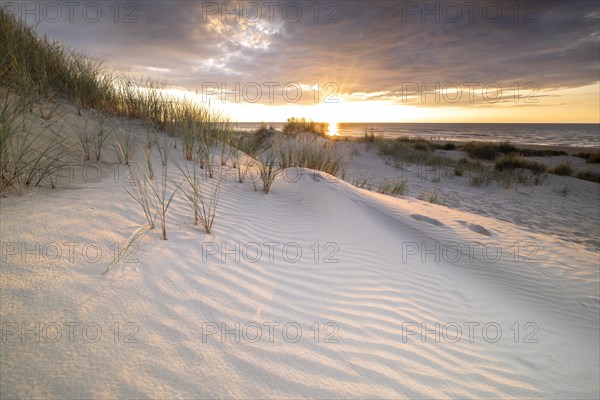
(294, 126)
(392, 187)
(590, 158)
(512, 161)
(446, 146)
(488, 150)
(435, 197)
(588, 175)
(268, 169)
(481, 176)
(562, 169)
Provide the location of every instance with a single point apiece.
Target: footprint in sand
(424, 218)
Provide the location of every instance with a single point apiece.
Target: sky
(349, 61)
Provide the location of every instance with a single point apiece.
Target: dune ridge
(374, 298)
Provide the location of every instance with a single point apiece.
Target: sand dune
(384, 266)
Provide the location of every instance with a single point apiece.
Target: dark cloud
(373, 46)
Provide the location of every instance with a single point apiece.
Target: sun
(333, 128)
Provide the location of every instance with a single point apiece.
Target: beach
(317, 289)
(152, 246)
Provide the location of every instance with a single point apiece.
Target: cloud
(371, 48)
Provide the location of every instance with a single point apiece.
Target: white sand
(562, 206)
(375, 296)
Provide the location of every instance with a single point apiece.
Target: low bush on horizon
(528, 152)
(294, 126)
(590, 158)
(487, 150)
(414, 151)
(562, 169)
(514, 161)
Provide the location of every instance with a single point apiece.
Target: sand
(375, 312)
(562, 206)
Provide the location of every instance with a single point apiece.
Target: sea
(564, 135)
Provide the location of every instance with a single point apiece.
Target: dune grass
(295, 126)
(392, 187)
(562, 169)
(125, 146)
(588, 175)
(268, 169)
(513, 161)
(435, 196)
(590, 157)
(141, 193)
(204, 207)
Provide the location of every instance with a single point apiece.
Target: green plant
(12, 108)
(435, 197)
(294, 126)
(563, 169)
(590, 157)
(148, 158)
(481, 176)
(268, 169)
(142, 194)
(154, 198)
(393, 187)
(513, 161)
(204, 207)
(125, 146)
(487, 150)
(163, 200)
(361, 183)
(588, 175)
(101, 135)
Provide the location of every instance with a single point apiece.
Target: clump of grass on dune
(590, 158)
(26, 157)
(393, 187)
(412, 151)
(514, 161)
(588, 175)
(295, 126)
(435, 196)
(125, 146)
(491, 150)
(306, 152)
(204, 207)
(241, 145)
(527, 152)
(562, 169)
(142, 194)
(487, 150)
(268, 169)
(319, 156)
(33, 62)
(12, 109)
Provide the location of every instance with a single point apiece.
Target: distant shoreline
(565, 136)
(571, 150)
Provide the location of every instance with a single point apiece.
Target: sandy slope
(562, 206)
(370, 282)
